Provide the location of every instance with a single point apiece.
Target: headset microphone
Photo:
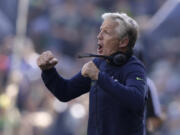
(93, 55)
(116, 59)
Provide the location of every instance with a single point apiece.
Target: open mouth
(99, 46)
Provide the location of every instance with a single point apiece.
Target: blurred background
(69, 28)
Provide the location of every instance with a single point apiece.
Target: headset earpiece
(119, 58)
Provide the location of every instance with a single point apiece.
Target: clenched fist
(90, 70)
(46, 60)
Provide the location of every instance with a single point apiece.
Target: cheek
(112, 41)
(110, 49)
(112, 45)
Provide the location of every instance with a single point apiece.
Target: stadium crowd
(69, 28)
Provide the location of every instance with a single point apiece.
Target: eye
(106, 32)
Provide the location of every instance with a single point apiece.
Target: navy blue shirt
(117, 98)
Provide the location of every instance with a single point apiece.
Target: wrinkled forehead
(109, 23)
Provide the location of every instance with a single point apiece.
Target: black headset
(117, 59)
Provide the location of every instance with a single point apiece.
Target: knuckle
(49, 52)
(43, 53)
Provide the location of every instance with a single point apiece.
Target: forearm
(63, 89)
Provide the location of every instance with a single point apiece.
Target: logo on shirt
(114, 79)
(139, 79)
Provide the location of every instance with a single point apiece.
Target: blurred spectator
(153, 114)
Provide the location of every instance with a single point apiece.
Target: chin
(99, 53)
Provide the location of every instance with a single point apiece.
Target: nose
(99, 36)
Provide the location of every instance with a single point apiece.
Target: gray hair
(127, 26)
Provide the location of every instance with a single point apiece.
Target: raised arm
(63, 89)
(131, 94)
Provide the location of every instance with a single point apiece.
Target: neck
(124, 49)
(128, 52)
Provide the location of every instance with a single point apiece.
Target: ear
(123, 42)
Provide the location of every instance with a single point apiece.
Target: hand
(153, 123)
(90, 70)
(46, 60)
